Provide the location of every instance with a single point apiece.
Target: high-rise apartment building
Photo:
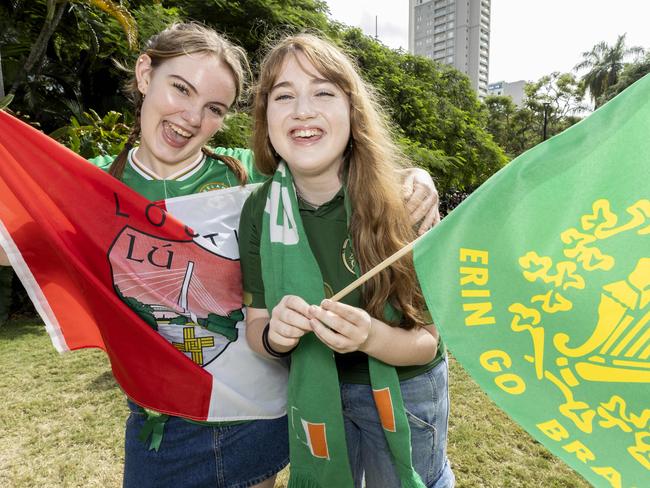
(455, 32)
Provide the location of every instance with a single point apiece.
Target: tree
(556, 97)
(631, 73)
(604, 64)
(555, 100)
(561, 90)
(54, 13)
(254, 22)
(76, 72)
(502, 119)
(440, 122)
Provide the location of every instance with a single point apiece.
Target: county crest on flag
(540, 284)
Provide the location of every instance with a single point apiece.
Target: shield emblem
(187, 292)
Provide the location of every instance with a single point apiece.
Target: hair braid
(233, 164)
(119, 163)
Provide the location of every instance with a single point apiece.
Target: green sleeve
(102, 162)
(250, 231)
(247, 160)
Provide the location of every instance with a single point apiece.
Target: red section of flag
(63, 214)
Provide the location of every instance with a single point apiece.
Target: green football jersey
(204, 175)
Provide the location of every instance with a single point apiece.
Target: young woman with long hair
(332, 210)
(184, 83)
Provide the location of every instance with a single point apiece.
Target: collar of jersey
(180, 175)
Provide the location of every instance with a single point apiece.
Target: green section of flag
(540, 286)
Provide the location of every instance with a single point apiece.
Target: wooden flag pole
(384, 264)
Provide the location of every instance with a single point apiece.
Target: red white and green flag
(540, 285)
(107, 268)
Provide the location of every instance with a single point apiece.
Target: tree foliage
(630, 73)
(556, 97)
(604, 64)
(92, 135)
(73, 70)
(439, 119)
(255, 22)
(236, 131)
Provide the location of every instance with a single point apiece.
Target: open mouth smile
(306, 133)
(176, 129)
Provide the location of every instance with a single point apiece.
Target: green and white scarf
(319, 456)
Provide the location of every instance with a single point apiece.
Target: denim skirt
(204, 456)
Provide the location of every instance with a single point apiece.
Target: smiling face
(308, 120)
(186, 100)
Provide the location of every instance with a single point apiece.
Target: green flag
(540, 285)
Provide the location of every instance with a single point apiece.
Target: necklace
(304, 200)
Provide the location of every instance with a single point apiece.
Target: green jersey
(327, 232)
(203, 175)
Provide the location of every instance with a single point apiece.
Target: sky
(528, 39)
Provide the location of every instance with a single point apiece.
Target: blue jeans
(202, 456)
(426, 399)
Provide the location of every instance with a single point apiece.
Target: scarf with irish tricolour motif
(319, 455)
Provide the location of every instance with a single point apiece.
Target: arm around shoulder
(421, 198)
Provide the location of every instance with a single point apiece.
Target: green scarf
(319, 456)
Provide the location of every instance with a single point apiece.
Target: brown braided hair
(178, 40)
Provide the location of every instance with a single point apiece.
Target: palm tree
(604, 63)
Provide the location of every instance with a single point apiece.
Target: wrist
(272, 349)
(366, 345)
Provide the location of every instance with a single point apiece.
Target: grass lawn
(62, 420)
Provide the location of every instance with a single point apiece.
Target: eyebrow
(193, 88)
(285, 84)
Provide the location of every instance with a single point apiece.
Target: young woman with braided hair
(183, 85)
